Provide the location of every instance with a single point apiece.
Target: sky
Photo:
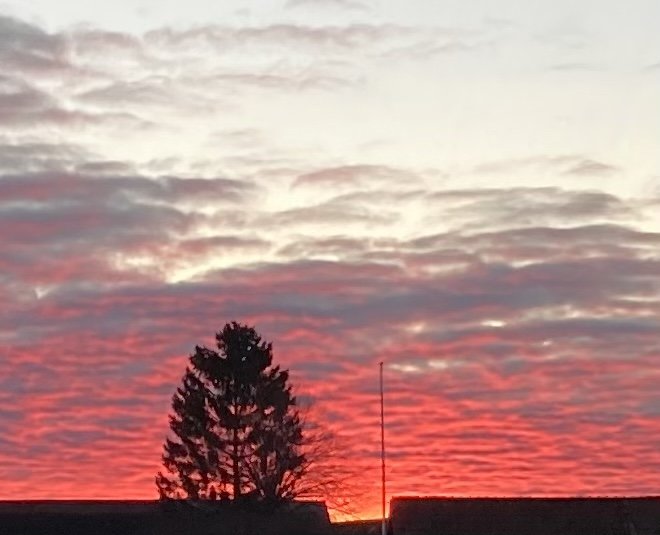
(466, 191)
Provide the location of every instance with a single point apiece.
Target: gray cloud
(528, 206)
(590, 167)
(30, 156)
(28, 48)
(21, 104)
(328, 214)
(356, 177)
(66, 187)
(83, 228)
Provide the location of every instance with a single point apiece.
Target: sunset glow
(470, 194)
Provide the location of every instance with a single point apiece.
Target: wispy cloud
(341, 4)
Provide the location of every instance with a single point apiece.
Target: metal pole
(383, 528)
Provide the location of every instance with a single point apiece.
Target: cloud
(30, 156)
(89, 228)
(338, 246)
(354, 176)
(528, 206)
(341, 4)
(84, 77)
(66, 187)
(590, 167)
(28, 48)
(530, 303)
(328, 214)
(361, 311)
(564, 164)
(21, 104)
(25, 106)
(506, 315)
(320, 37)
(143, 92)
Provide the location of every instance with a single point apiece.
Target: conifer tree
(235, 428)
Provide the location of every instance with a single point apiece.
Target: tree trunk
(237, 468)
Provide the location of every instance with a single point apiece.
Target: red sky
(457, 198)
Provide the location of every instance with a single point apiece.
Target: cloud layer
(518, 319)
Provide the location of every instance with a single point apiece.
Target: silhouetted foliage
(236, 432)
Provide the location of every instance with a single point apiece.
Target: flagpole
(383, 528)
